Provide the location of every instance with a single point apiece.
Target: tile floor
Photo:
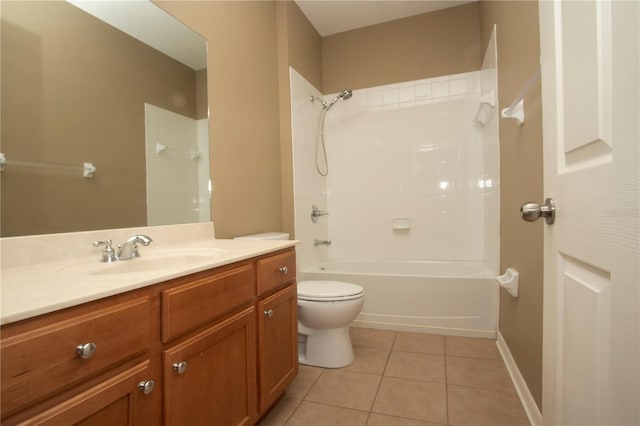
(401, 378)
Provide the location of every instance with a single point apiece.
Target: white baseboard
(529, 404)
(396, 324)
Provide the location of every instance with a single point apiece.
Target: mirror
(101, 86)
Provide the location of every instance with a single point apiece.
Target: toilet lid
(328, 290)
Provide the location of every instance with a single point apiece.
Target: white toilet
(325, 310)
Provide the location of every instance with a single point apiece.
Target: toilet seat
(328, 291)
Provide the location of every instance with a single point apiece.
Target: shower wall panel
(409, 156)
(309, 187)
(491, 158)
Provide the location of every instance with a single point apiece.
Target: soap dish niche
(401, 224)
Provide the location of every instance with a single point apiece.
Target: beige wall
(521, 181)
(304, 45)
(60, 101)
(299, 46)
(423, 46)
(243, 99)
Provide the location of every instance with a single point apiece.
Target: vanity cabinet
(231, 342)
(214, 347)
(210, 376)
(87, 363)
(277, 326)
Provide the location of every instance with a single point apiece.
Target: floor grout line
(387, 357)
(292, 413)
(375, 396)
(446, 382)
(304, 396)
(314, 383)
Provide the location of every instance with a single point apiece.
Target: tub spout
(321, 242)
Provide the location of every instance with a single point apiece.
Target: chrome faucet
(321, 242)
(129, 249)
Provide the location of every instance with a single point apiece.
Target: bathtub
(454, 298)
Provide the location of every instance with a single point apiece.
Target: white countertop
(28, 289)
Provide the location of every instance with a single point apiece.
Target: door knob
(533, 211)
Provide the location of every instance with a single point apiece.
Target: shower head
(344, 95)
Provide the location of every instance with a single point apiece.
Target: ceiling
(335, 16)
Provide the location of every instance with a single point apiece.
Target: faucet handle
(106, 243)
(316, 213)
(108, 254)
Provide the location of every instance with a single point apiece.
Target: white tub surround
(454, 298)
(411, 174)
(490, 181)
(45, 273)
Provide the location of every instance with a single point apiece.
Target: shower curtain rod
(88, 169)
(516, 109)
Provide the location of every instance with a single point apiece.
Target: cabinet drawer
(276, 271)
(189, 306)
(42, 361)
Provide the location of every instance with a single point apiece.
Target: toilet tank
(265, 236)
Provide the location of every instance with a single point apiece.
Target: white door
(591, 120)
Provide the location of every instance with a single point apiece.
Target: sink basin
(161, 260)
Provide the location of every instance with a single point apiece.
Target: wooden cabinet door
(277, 344)
(116, 401)
(216, 385)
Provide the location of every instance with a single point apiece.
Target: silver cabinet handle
(180, 367)
(269, 313)
(284, 269)
(533, 211)
(147, 386)
(86, 350)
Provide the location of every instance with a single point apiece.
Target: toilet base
(330, 348)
